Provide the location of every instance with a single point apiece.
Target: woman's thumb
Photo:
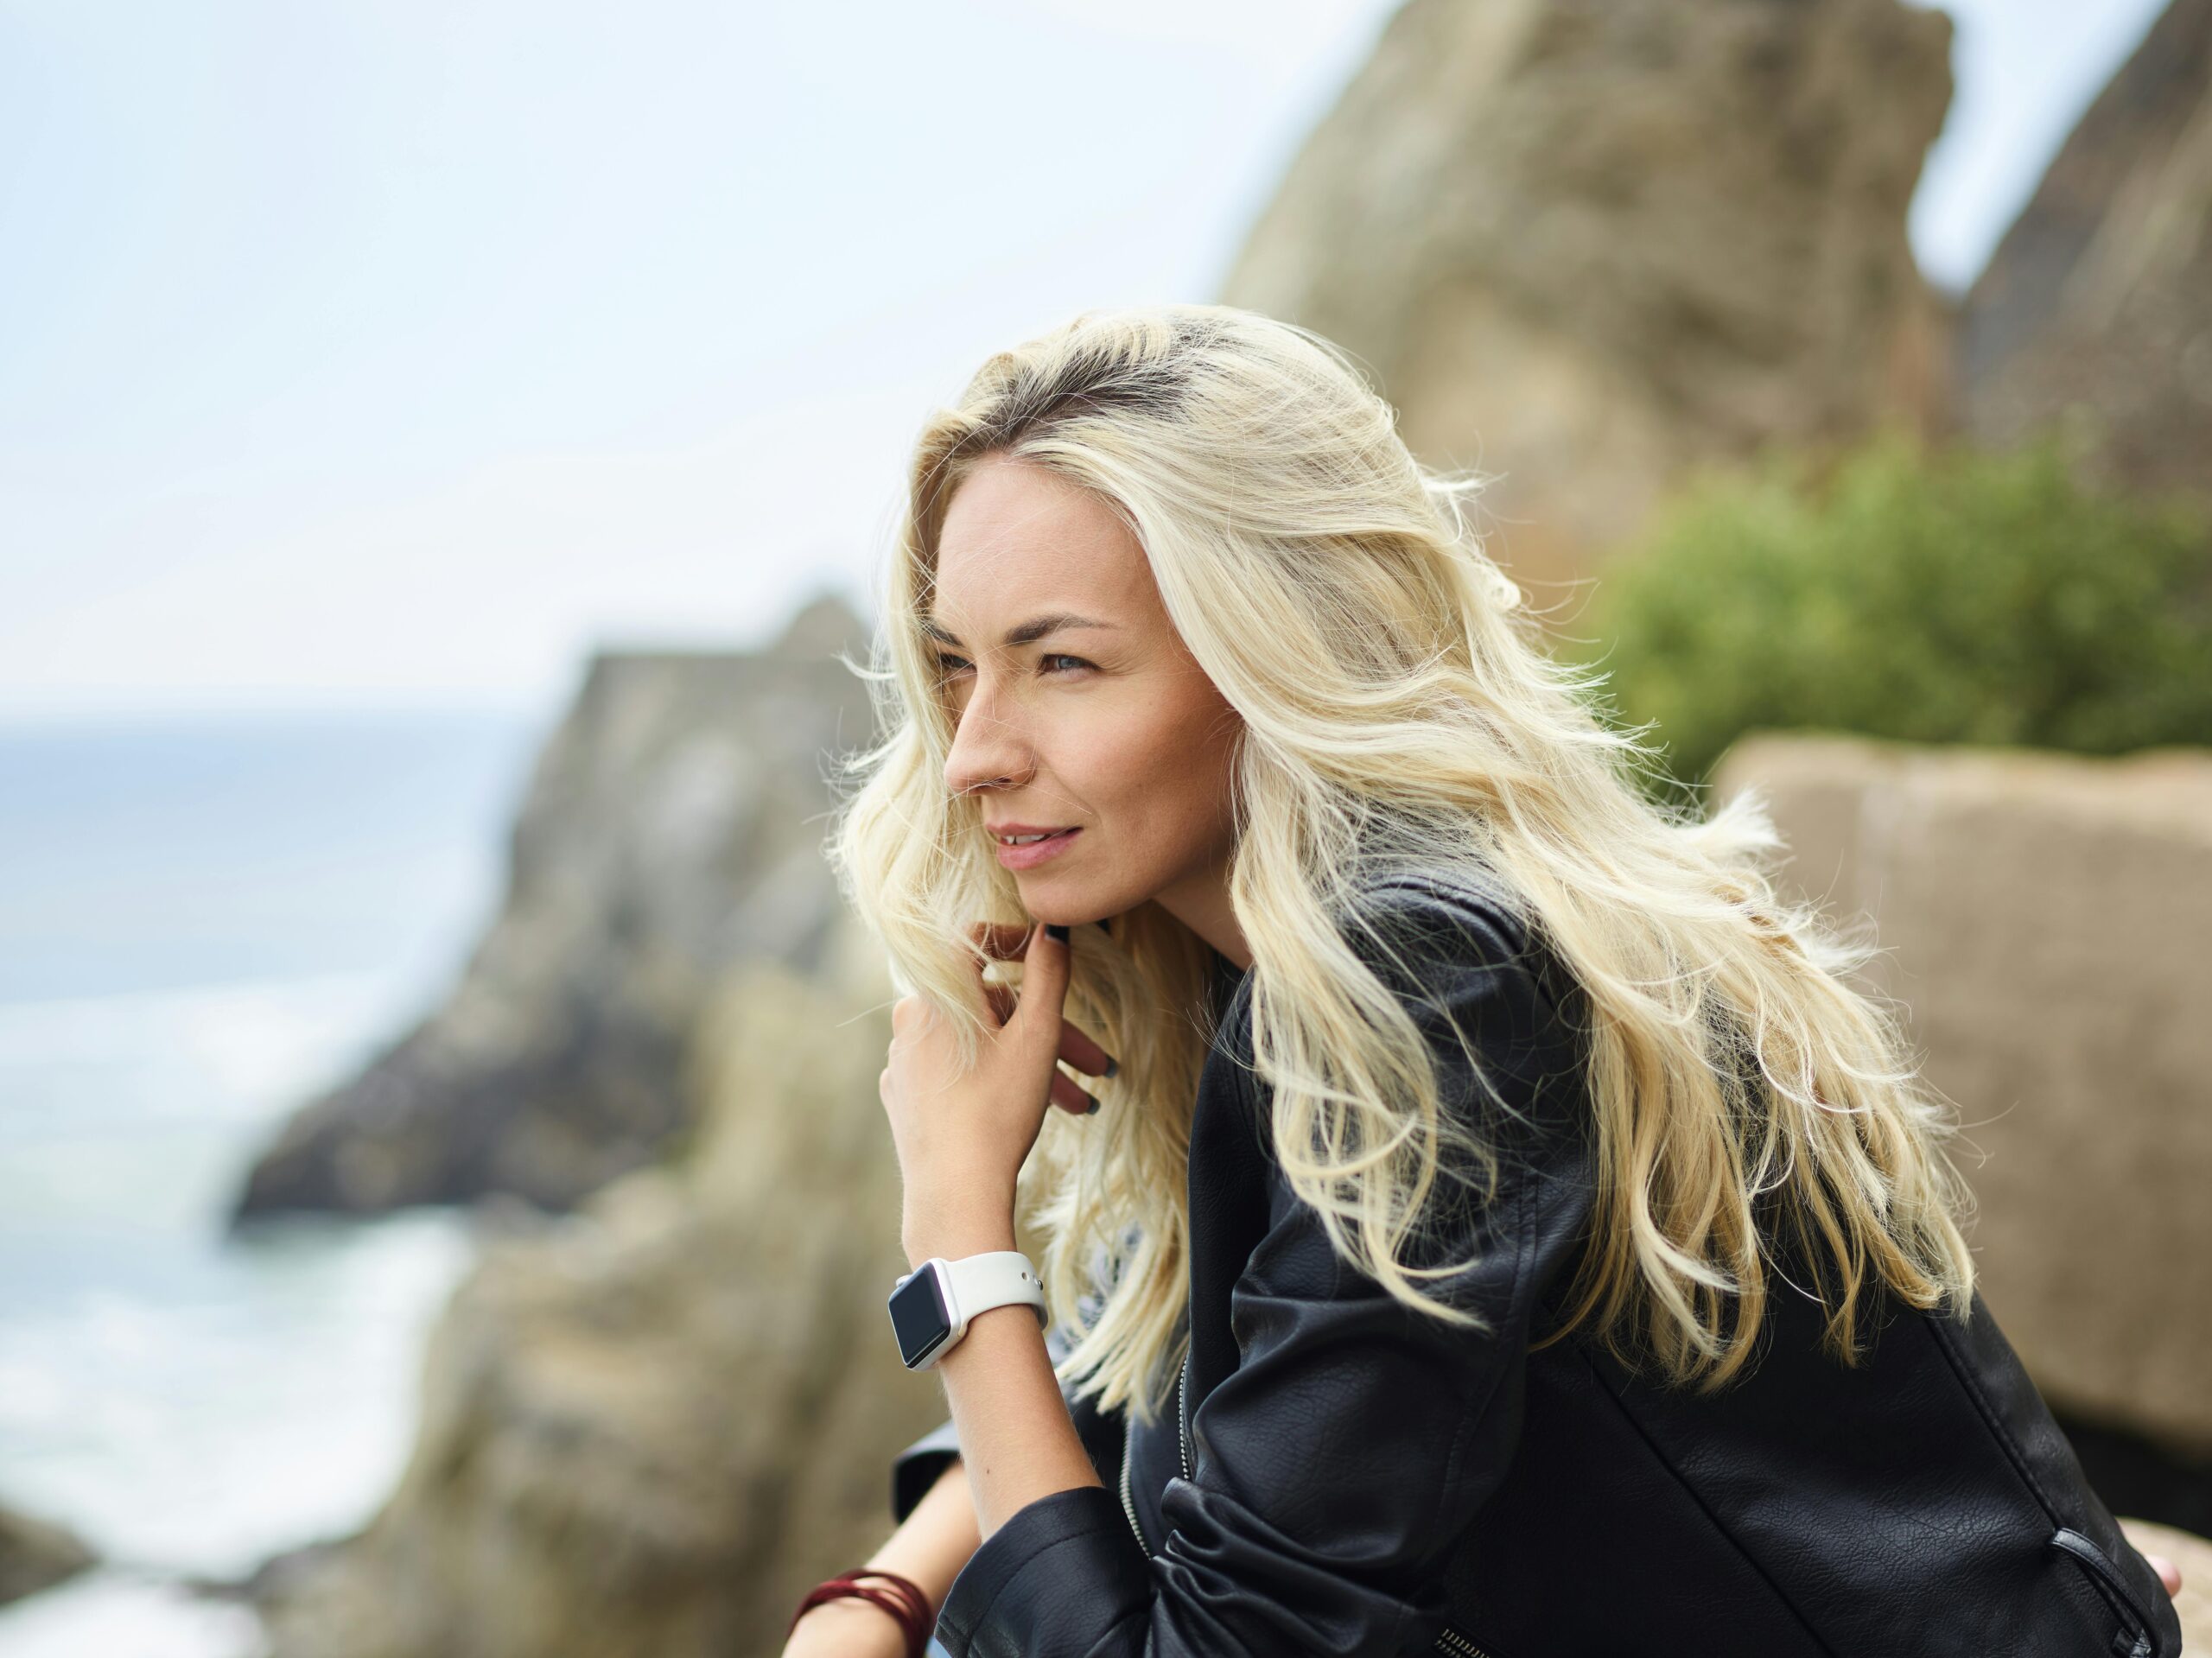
(1045, 963)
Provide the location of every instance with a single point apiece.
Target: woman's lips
(1028, 857)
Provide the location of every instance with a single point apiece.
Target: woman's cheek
(1125, 748)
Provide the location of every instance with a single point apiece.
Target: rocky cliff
(1588, 244)
(2095, 312)
(671, 831)
(650, 1424)
(37, 1553)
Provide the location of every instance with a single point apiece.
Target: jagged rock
(2043, 920)
(650, 1430)
(1592, 244)
(2095, 311)
(671, 829)
(36, 1554)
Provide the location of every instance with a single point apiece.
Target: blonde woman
(1488, 1222)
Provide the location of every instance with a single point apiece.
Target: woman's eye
(948, 665)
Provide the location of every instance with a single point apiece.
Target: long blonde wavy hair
(1400, 711)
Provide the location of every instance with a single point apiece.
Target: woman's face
(1078, 707)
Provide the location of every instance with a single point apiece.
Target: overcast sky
(397, 353)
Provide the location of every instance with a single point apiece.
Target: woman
(1498, 1229)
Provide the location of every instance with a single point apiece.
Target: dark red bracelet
(904, 1600)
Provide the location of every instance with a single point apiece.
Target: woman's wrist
(937, 1537)
(856, 1613)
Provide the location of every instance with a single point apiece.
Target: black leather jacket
(1336, 1475)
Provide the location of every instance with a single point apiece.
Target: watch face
(918, 1317)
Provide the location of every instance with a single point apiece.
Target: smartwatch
(932, 1306)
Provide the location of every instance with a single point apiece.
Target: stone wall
(2046, 922)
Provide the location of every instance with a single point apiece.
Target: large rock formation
(36, 1554)
(2095, 312)
(649, 1427)
(1591, 243)
(672, 829)
(2044, 920)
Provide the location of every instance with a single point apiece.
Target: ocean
(202, 922)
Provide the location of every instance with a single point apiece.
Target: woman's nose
(987, 748)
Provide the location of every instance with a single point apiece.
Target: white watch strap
(996, 1277)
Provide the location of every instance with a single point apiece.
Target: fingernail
(1056, 931)
(1113, 1067)
(1091, 1110)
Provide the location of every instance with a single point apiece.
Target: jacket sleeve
(1335, 1470)
(919, 1467)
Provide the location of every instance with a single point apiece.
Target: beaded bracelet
(904, 1600)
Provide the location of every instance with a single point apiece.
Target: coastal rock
(2043, 923)
(36, 1554)
(2095, 311)
(671, 831)
(650, 1428)
(1590, 244)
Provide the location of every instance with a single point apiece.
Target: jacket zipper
(1129, 1507)
(1182, 1413)
(1128, 1447)
(1450, 1641)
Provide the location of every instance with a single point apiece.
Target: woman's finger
(1001, 940)
(1070, 1095)
(1004, 943)
(1085, 1055)
(983, 935)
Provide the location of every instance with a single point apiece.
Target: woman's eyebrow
(1028, 633)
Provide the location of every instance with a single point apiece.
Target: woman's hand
(2169, 1573)
(962, 1136)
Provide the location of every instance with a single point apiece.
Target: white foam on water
(110, 1614)
(187, 1401)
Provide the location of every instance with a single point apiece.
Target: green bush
(1954, 596)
